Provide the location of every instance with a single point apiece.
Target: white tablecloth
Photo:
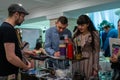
(105, 64)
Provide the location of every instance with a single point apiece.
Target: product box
(114, 46)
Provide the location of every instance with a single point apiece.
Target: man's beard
(18, 23)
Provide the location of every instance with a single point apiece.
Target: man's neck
(10, 21)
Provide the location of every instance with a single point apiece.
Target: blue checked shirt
(52, 39)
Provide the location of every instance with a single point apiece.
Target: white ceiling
(30, 4)
(48, 8)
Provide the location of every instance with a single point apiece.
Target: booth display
(43, 72)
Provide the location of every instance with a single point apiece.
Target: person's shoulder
(51, 28)
(113, 31)
(6, 26)
(67, 30)
(96, 32)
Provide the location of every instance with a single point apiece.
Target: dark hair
(75, 28)
(63, 20)
(84, 19)
(38, 46)
(107, 26)
(16, 8)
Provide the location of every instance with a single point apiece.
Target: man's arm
(48, 43)
(13, 59)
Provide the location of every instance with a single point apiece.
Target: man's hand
(57, 54)
(28, 64)
(95, 73)
(27, 53)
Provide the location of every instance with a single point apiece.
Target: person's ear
(16, 14)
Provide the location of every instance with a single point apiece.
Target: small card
(114, 46)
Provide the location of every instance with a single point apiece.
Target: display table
(105, 72)
(26, 76)
(105, 64)
(59, 72)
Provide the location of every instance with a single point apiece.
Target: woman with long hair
(86, 42)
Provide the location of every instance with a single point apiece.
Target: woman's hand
(114, 58)
(95, 73)
(57, 54)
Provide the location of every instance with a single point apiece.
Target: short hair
(106, 26)
(16, 8)
(63, 20)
